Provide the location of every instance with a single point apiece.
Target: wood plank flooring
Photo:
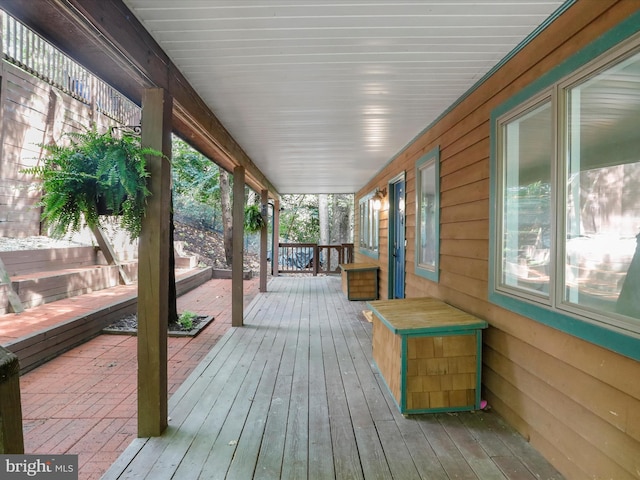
(294, 394)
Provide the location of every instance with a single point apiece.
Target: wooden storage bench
(360, 280)
(429, 354)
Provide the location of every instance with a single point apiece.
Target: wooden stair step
(44, 287)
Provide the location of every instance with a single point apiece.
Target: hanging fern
(253, 219)
(94, 169)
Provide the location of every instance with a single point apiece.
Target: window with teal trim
(428, 215)
(567, 195)
(525, 170)
(369, 225)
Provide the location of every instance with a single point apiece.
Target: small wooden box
(360, 280)
(429, 354)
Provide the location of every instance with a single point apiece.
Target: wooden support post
(109, 253)
(276, 238)
(153, 268)
(14, 299)
(237, 264)
(264, 198)
(316, 259)
(11, 437)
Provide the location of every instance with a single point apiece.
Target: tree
(196, 186)
(323, 217)
(227, 222)
(252, 197)
(173, 293)
(335, 213)
(341, 214)
(202, 188)
(299, 218)
(302, 218)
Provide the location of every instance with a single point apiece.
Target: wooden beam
(153, 269)
(264, 232)
(204, 132)
(276, 237)
(62, 24)
(110, 254)
(237, 310)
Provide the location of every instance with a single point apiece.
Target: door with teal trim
(398, 239)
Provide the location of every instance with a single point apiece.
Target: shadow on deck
(295, 394)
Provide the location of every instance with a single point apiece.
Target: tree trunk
(227, 220)
(296, 201)
(336, 219)
(348, 233)
(341, 219)
(323, 217)
(173, 295)
(252, 197)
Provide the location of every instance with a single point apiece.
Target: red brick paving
(14, 326)
(84, 401)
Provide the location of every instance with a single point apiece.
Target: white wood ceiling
(321, 95)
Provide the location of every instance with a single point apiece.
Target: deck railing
(27, 50)
(313, 258)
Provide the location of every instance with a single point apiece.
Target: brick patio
(84, 401)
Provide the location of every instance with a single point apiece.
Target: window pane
(526, 194)
(373, 221)
(369, 224)
(427, 226)
(603, 191)
(363, 224)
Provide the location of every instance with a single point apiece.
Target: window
(525, 177)
(428, 215)
(601, 185)
(369, 225)
(566, 187)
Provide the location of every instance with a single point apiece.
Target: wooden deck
(294, 394)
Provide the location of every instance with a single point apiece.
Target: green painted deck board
(423, 315)
(356, 267)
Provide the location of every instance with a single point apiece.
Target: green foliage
(194, 175)
(196, 187)
(93, 169)
(196, 214)
(186, 319)
(196, 181)
(253, 219)
(299, 221)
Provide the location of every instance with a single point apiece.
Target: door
(398, 240)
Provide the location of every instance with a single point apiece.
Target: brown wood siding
(578, 403)
(32, 113)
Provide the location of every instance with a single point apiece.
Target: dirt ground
(208, 247)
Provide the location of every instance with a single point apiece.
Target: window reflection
(603, 188)
(527, 200)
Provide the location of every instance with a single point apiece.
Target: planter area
(129, 326)
(37, 348)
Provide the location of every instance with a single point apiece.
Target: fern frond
(92, 166)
